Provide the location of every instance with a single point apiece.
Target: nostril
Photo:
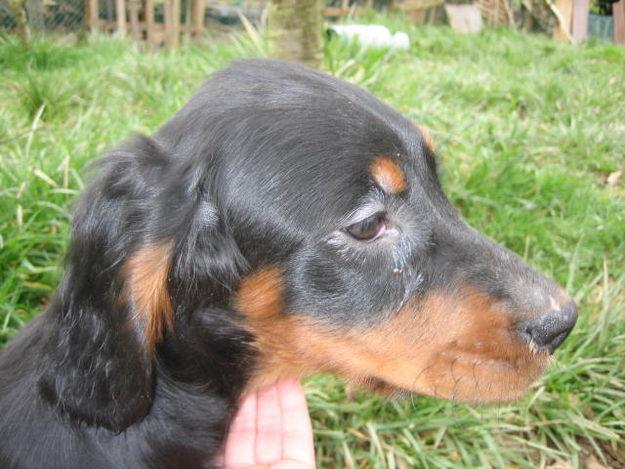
(550, 330)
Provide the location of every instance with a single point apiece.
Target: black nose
(549, 331)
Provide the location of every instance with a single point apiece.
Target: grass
(528, 131)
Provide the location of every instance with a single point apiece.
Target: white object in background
(372, 35)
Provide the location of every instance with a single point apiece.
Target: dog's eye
(368, 229)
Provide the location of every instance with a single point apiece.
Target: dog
(283, 223)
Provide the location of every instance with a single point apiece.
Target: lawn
(531, 136)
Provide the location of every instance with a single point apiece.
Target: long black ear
(113, 304)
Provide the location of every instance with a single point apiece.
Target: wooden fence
(137, 19)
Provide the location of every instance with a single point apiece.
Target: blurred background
(159, 21)
(524, 100)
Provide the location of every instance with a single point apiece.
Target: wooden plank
(120, 13)
(93, 15)
(149, 24)
(198, 10)
(133, 14)
(158, 27)
(618, 13)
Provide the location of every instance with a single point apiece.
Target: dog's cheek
(261, 295)
(285, 345)
(448, 346)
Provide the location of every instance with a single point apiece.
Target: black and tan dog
(283, 223)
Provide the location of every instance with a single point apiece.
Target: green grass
(527, 130)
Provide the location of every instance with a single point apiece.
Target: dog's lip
(504, 364)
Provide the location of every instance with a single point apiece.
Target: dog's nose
(550, 330)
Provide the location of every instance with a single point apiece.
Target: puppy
(283, 223)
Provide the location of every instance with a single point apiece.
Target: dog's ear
(208, 261)
(114, 303)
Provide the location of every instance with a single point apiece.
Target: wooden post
(149, 24)
(133, 13)
(198, 10)
(618, 13)
(172, 23)
(579, 28)
(93, 16)
(120, 12)
(168, 7)
(176, 15)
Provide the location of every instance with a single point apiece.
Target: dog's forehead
(309, 175)
(306, 146)
(315, 171)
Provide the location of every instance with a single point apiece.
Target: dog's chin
(503, 386)
(383, 388)
(392, 392)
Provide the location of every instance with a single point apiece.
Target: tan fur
(260, 295)
(146, 274)
(461, 348)
(388, 175)
(427, 138)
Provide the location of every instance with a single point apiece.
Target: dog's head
(300, 216)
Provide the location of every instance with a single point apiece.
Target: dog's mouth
(467, 377)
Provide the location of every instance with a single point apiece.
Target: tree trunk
(18, 9)
(294, 31)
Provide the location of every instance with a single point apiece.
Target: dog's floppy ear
(113, 305)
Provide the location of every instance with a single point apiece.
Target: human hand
(272, 430)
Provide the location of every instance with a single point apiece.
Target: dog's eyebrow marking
(388, 175)
(146, 274)
(427, 138)
(260, 295)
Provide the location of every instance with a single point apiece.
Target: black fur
(263, 166)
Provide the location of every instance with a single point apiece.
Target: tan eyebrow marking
(427, 138)
(388, 175)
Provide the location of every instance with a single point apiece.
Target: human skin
(272, 429)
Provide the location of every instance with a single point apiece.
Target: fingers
(240, 445)
(268, 425)
(297, 437)
(272, 429)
